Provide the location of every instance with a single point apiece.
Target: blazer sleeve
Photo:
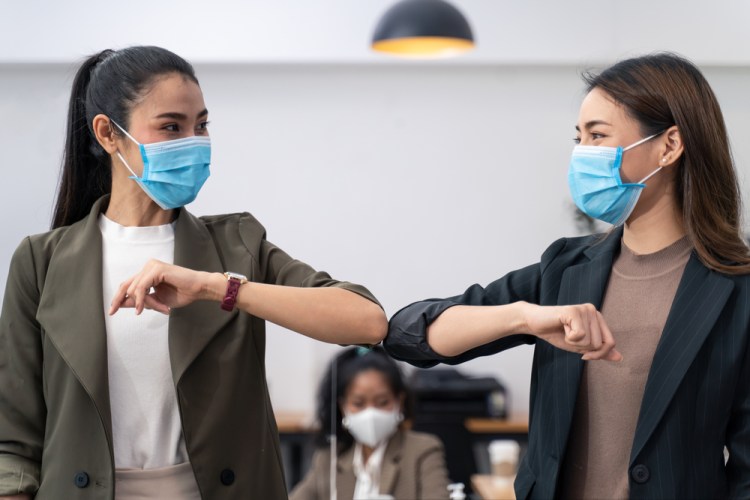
(22, 407)
(279, 268)
(738, 437)
(433, 473)
(407, 329)
(307, 489)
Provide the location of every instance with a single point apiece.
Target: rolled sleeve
(18, 475)
(22, 408)
(407, 329)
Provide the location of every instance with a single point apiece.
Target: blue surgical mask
(596, 185)
(173, 171)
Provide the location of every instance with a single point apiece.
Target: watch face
(236, 276)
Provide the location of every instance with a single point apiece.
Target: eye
(577, 140)
(202, 127)
(596, 136)
(171, 127)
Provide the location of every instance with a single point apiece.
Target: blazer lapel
(389, 468)
(699, 300)
(71, 309)
(580, 284)
(191, 328)
(345, 478)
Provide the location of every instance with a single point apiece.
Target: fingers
(121, 295)
(136, 292)
(587, 333)
(606, 349)
(153, 302)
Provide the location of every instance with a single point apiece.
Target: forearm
(461, 328)
(328, 314)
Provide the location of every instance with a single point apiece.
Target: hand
(173, 286)
(577, 328)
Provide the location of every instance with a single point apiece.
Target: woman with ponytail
(132, 335)
(662, 302)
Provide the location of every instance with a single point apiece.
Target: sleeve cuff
(407, 333)
(18, 475)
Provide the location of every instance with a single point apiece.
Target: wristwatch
(234, 281)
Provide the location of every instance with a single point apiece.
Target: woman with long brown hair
(670, 284)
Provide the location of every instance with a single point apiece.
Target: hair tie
(361, 351)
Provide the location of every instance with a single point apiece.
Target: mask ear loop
(635, 144)
(125, 132)
(650, 175)
(645, 139)
(118, 153)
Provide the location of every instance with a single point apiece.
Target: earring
(663, 160)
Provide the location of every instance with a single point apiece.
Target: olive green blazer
(413, 468)
(55, 422)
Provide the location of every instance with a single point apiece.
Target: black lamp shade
(423, 27)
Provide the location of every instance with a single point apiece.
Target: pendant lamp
(423, 28)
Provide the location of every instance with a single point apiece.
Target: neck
(654, 229)
(130, 206)
(366, 453)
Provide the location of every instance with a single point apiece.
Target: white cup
(504, 457)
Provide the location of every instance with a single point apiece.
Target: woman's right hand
(575, 328)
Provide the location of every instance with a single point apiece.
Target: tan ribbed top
(636, 304)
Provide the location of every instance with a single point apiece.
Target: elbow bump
(378, 327)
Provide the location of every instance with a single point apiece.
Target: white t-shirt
(146, 426)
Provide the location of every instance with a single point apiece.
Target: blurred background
(415, 178)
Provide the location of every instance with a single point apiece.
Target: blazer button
(227, 477)
(81, 479)
(640, 474)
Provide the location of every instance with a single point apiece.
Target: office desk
(488, 488)
(515, 427)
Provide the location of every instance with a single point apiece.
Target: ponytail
(108, 83)
(86, 173)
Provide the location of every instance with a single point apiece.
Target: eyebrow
(181, 116)
(592, 124)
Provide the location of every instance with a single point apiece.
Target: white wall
(415, 181)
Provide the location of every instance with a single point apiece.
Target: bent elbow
(377, 326)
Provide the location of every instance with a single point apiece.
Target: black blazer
(697, 396)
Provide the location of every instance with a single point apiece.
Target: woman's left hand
(173, 286)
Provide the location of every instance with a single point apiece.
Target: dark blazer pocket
(525, 481)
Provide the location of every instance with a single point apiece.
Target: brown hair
(662, 90)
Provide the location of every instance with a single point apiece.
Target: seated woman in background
(376, 454)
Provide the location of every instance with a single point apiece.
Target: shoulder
(41, 246)
(419, 442)
(236, 229)
(243, 221)
(321, 458)
(571, 249)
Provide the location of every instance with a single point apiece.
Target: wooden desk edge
(514, 425)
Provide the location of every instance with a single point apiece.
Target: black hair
(349, 364)
(108, 83)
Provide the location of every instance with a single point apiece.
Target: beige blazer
(413, 469)
(55, 423)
